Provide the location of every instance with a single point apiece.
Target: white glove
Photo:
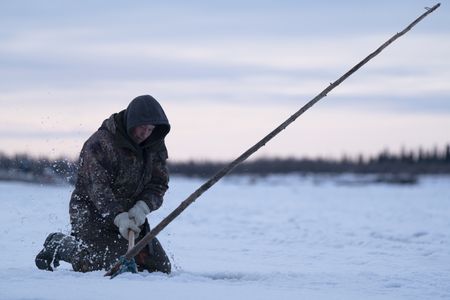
(125, 224)
(139, 212)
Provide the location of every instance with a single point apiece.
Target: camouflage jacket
(114, 173)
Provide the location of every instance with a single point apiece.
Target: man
(122, 177)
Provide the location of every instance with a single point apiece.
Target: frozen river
(279, 237)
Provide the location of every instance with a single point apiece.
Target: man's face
(141, 133)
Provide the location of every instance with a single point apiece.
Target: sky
(226, 73)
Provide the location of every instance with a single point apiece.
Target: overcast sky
(226, 72)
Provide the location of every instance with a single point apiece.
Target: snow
(278, 237)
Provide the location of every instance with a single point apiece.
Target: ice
(277, 237)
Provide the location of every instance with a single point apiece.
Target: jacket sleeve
(96, 166)
(153, 193)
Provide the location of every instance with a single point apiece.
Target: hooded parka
(114, 173)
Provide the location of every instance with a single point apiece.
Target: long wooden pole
(177, 211)
(130, 240)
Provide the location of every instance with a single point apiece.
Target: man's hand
(139, 212)
(125, 224)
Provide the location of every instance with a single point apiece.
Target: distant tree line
(22, 167)
(418, 162)
(410, 163)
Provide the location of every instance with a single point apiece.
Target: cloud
(62, 74)
(175, 19)
(34, 62)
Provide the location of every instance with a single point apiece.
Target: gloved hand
(139, 212)
(125, 223)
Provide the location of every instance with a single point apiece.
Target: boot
(58, 246)
(153, 258)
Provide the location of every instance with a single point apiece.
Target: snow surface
(279, 237)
